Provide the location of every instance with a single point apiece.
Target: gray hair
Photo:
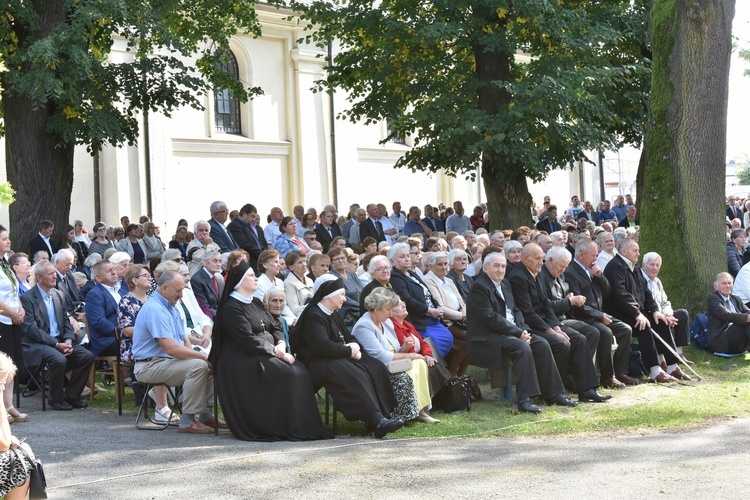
(381, 297)
(168, 277)
(650, 256)
(556, 235)
(40, 267)
(585, 246)
(209, 255)
(559, 254)
(455, 253)
(92, 259)
(375, 261)
(510, 245)
(273, 291)
(61, 252)
(490, 257)
(459, 239)
(396, 248)
(171, 254)
(438, 255)
(600, 238)
(625, 243)
(721, 275)
(200, 223)
(216, 207)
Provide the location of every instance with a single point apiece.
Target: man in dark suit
(327, 230)
(371, 226)
(733, 212)
(630, 301)
(246, 238)
(630, 220)
(585, 278)
(66, 283)
(569, 347)
(101, 310)
(549, 224)
(207, 283)
(48, 336)
(42, 241)
(728, 318)
(496, 328)
(563, 302)
(219, 234)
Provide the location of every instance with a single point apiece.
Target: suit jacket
(324, 238)
(555, 291)
(720, 318)
(376, 344)
(486, 318)
(246, 240)
(626, 224)
(593, 216)
(368, 228)
(70, 291)
(548, 225)
(732, 216)
(36, 324)
(413, 295)
(528, 295)
(595, 290)
(101, 314)
(125, 245)
(629, 295)
(37, 244)
(203, 288)
(221, 237)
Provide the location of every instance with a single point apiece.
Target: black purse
(37, 480)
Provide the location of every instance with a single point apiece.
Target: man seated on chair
(48, 337)
(101, 310)
(163, 354)
(66, 283)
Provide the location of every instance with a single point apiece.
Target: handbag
(399, 365)
(37, 479)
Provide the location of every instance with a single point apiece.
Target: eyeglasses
(144, 275)
(414, 253)
(178, 259)
(381, 269)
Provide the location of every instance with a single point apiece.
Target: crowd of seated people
(316, 300)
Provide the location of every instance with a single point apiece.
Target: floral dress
(126, 313)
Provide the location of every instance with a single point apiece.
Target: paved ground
(93, 454)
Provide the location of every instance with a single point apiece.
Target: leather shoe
(196, 427)
(627, 379)
(592, 396)
(663, 378)
(679, 374)
(386, 426)
(561, 400)
(77, 403)
(211, 422)
(663, 365)
(612, 383)
(526, 406)
(59, 405)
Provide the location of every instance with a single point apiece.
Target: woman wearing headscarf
(264, 394)
(360, 385)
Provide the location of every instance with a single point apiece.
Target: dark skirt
(10, 343)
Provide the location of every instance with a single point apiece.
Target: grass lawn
(723, 393)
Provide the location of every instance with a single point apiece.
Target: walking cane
(679, 358)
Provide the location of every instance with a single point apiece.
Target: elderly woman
(134, 246)
(447, 296)
(268, 264)
(379, 268)
(19, 263)
(360, 385)
(424, 313)
(353, 285)
(69, 241)
(154, 246)
(458, 261)
(274, 402)
(180, 241)
(352, 262)
(288, 240)
(297, 285)
(100, 243)
(512, 250)
(319, 265)
(735, 251)
(607, 252)
(375, 333)
(275, 302)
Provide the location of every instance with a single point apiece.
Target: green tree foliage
(742, 170)
(62, 89)
(446, 73)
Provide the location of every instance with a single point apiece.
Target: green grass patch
(724, 393)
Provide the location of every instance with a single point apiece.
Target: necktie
(380, 230)
(729, 304)
(216, 284)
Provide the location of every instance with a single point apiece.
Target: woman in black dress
(264, 394)
(360, 385)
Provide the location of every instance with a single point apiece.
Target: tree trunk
(683, 200)
(38, 168)
(508, 199)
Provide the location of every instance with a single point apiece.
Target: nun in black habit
(360, 385)
(265, 395)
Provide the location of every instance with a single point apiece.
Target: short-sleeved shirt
(157, 319)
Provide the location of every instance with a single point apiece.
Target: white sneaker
(164, 415)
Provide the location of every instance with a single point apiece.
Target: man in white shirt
(272, 231)
(389, 230)
(397, 219)
(299, 211)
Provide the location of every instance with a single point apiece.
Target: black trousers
(623, 334)
(79, 362)
(573, 357)
(738, 337)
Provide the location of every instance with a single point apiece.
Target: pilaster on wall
(120, 184)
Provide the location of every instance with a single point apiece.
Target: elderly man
(457, 222)
(631, 301)
(201, 244)
(606, 213)
(42, 241)
(564, 303)
(66, 283)
(678, 321)
(360, 214)
(372, 226)
(272, 231)
(346, 228)
(48, 336)
(728, 319)
(397, 219)
(415, 225)
(219, 233)
(496, 328)
(207, 283)
(497, 238)
(164, 355)
(585, 277)
(101, 308)
(247, 237)
(569, 347)
(629, 220)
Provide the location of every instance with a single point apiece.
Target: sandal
(164, 415)
(21, 417)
